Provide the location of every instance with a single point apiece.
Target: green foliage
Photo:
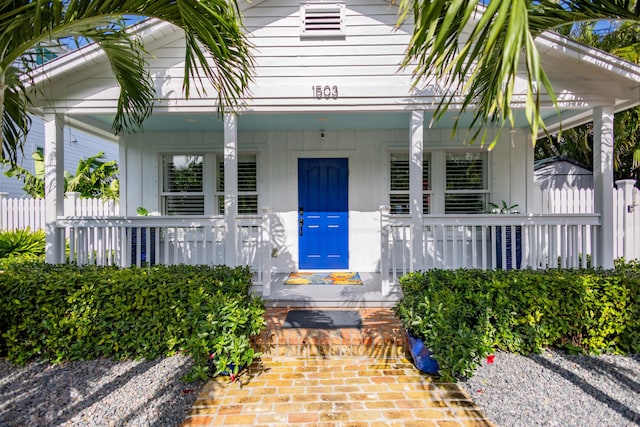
(463, 315)
(622, 40)
(216, 54)
(22, 244)
(63, 312)
(94, 177)
(475, 49)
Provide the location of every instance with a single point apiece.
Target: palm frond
(476, 51)
(15, 120)
(217, 50)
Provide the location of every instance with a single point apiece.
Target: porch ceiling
(199, 122)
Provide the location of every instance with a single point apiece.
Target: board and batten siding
(277, 153)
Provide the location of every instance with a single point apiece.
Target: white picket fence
(22, 213)
(626, 210)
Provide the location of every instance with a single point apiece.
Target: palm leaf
(477, 55)
(216, 48)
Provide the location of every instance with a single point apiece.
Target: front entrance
(323, 214)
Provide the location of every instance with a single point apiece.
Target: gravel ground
(551, 389)
(96, 393)
(557, 389)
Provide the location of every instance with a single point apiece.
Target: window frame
(436, 184)
(164, 195)
(212, 194)
(484, 191)
(219, 191)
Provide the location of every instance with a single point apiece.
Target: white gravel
(551, 389)
(97, 393)
(557, 389)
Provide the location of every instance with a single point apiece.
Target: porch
(533, 241)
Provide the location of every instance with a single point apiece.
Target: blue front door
(323, 213)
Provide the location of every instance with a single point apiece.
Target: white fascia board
(549, 41)
(148, 30)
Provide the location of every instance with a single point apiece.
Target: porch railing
(486, 242)
(169, 240)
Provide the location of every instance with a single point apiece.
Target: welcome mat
(328, 278)
(323, 319)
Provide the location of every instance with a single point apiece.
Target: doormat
(328, 278)
(323, 319)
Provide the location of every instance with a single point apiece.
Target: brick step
(381, 335)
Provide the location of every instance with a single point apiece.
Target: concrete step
(381, 335)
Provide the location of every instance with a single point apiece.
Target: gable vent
(322, 19)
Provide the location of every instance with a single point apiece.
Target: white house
(334, 163)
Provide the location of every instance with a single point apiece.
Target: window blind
(247, 185)
(182, 188)
(466, 183)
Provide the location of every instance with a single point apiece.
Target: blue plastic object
(422, 356)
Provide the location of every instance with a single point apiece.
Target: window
(247, 185)
(322, 19)
(185, 193)
(426, 183)
(182, 188)
(466, 183)
(399, 183)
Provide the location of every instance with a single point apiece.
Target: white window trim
(219, 159)
(162, 194)
(485, 170)
(209, 180)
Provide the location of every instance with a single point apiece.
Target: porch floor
(369, 294)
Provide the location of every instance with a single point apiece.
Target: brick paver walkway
(346, 391)
(351, 378)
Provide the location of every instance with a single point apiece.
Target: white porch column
(603, 183)
(230, 187)
(53, 186)
(415, 187)
(626, 215)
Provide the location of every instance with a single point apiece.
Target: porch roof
(582, 76)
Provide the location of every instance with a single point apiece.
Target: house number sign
(325, 92)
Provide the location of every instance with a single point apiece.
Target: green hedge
(65, 312)
(464, 315)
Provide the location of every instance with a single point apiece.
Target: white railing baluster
(471, 241)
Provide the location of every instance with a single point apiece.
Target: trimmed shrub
(65, 312)
(463, 315)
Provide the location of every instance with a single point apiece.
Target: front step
(381, 335)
